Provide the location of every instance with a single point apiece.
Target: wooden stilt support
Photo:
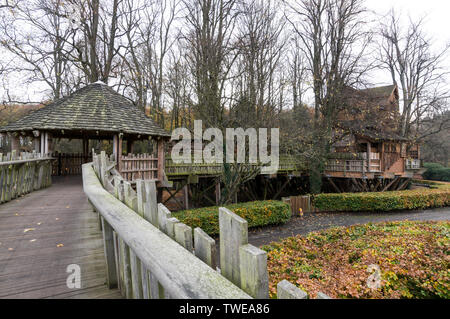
(186, 196)
(404, 184)
(395, 180)
(218, 191)
(334, 185)
(282, 187)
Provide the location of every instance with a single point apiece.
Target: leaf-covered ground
(413, 257)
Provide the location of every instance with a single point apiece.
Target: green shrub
(436, 172)
(259, 213)
(437, 196)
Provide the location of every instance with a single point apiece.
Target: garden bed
(412, 256)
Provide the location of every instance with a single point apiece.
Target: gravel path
(317, 221)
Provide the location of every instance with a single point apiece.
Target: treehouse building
(95, 112)
(368, 154)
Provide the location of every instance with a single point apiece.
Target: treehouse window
(390, 148)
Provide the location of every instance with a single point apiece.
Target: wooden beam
(161, 159)
(37, 144)
(390, 184)
(358, 185)
(334, 185)
(282, 188)
(377, 185)
(404, 184)
(15, 143)
(186, 196)
(218, 193)
(119, 152)
(85, 147)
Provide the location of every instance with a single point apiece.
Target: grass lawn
(414, 259)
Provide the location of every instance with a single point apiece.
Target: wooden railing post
(161, 157)
(136, 281)
(233, 234)
(205, 247)
(253, 268)
(286, 290)
(108, 244)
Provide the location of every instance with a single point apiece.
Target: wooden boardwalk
(44, 232)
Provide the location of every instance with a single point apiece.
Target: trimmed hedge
(436, 196)
(260, 213)
(436, 172)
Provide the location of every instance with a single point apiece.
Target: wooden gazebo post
(36, 142)
(161, 159)
(117, 150)
(15, 142)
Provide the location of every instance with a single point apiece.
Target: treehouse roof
(96, 107)
(371, 131)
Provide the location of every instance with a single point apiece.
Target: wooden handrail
(180, 273)
(26, 161)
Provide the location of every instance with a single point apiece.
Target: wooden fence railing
(286, 164)
(23, 174)
(150, 254)
(69, 163)
(342, 165)
(138, 166)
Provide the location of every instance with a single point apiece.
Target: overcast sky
(437, 25)
(437, 20)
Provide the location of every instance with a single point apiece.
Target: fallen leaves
(60, 245)
(412, 257)
(26, 230)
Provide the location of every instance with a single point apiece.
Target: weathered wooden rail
(138, 166)
(172, 169)
(150, 254)
(23, 174)
(287, 164)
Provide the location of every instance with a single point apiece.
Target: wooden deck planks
(36, 266)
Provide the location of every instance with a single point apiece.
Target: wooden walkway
(44, 232)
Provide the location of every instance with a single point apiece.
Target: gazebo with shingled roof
(95, 112)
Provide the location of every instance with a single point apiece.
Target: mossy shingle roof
(96, 107)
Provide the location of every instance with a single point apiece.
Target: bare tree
(94, 45)
(260, 44)
(210, 25)
(179, 91)
(418, 71)
(39, 48)
(333, 40)
(148, 35)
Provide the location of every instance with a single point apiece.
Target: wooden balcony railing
(138, 166)
(339, 165)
